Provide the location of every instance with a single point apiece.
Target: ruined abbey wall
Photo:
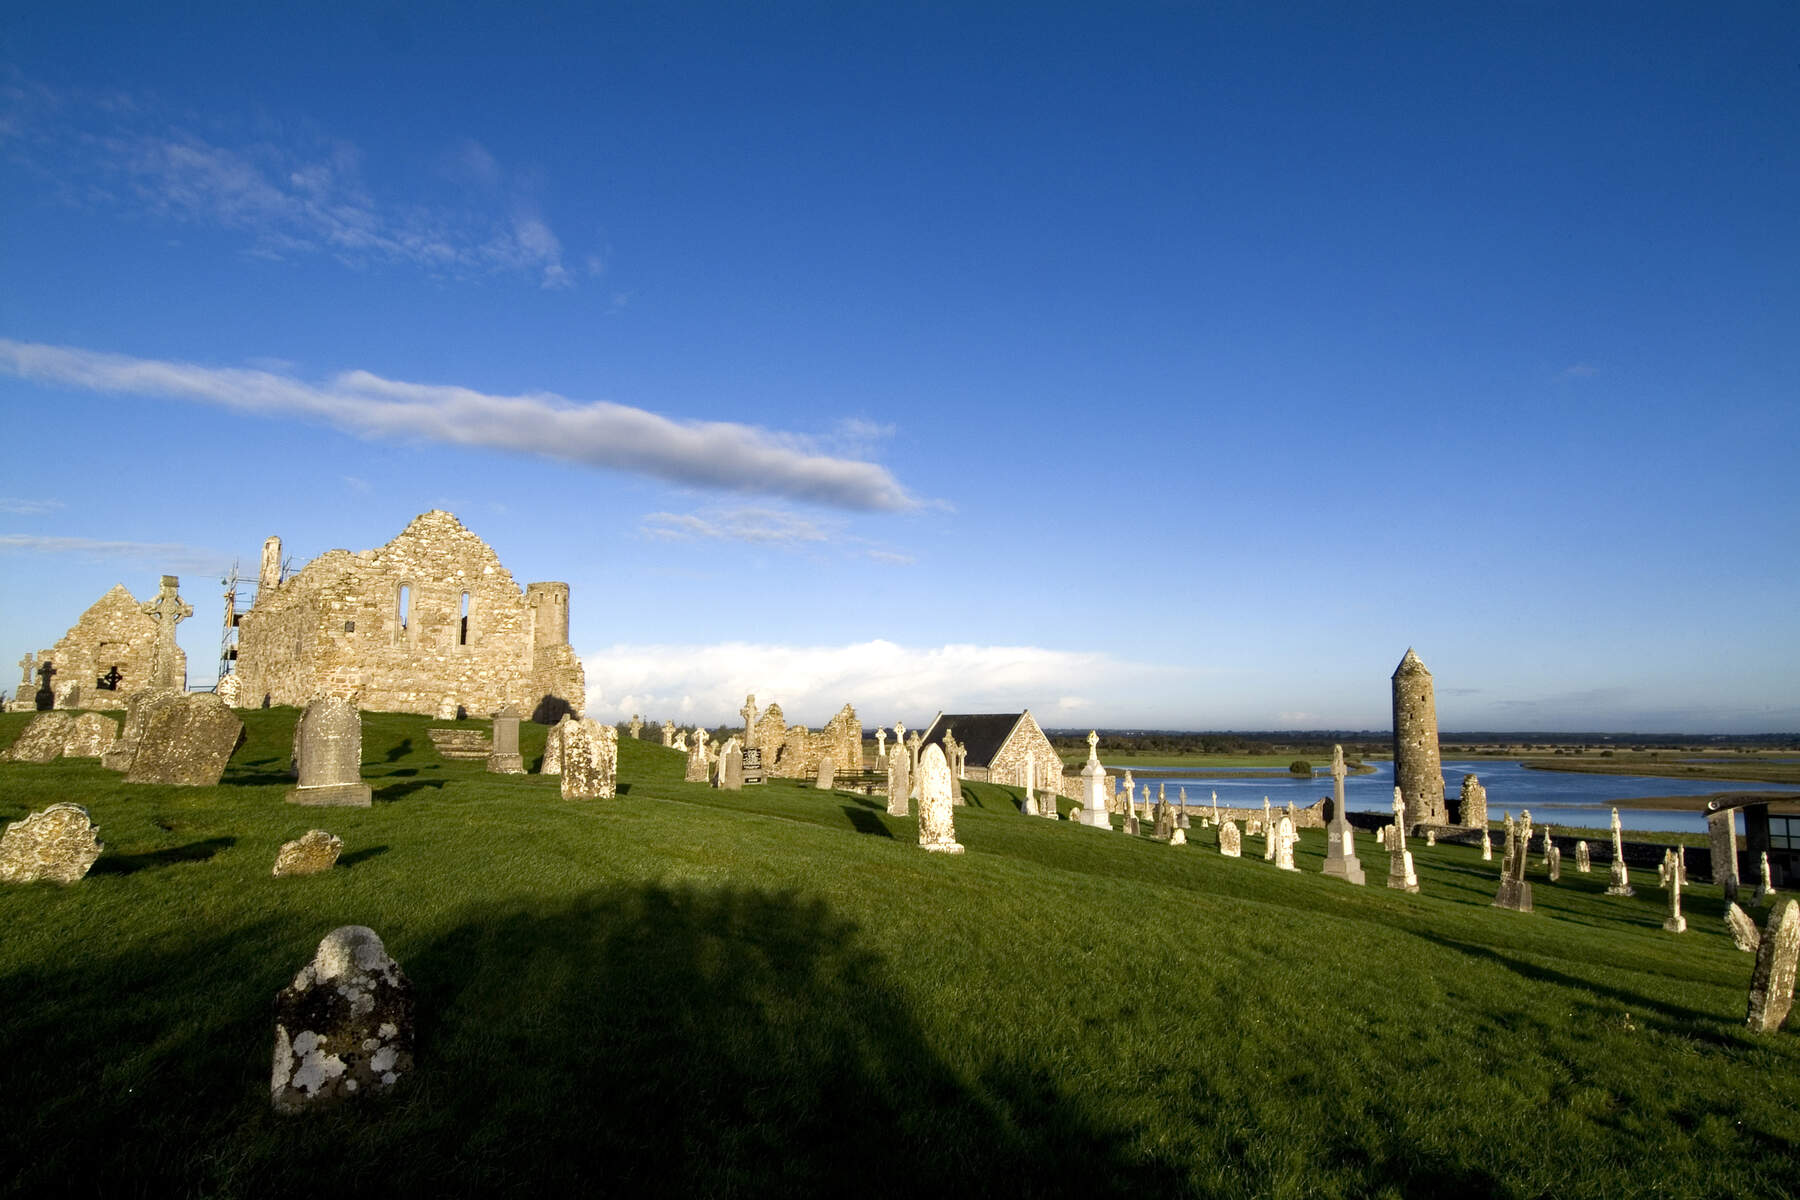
(114, 631)
(388, 626)
(795, 752)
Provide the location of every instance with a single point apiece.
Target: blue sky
(1149, 364)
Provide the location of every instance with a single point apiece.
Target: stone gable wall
(1008, 764)
(114, 630)
(334, 628)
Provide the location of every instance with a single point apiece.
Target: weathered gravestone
(551, 764)
(1675, 922)
(1400, 860)
(1772, 984)
(90, 736)
(1472, 804)
(1285, 838)
(311, 852)
(1177, 836)
(731, 767)
(590, 761)
(1093, 781)
(328, 755)
(1620, 881)
(899, 781)
(1765, 884)
(59, 844)
(1515, 893)
(637, 726)
(1340, 835)
(937, 811)
(229, 689)
(668, 733)
(43, 740)
(1744, 934)
(1268, 827)
(1721, 834)
(1552, 860)
(1431, 837)
(138, 707)
(344, 1027)
(504, 758)
(1231, 842)
(753, 765)
(1583, 859)
(1487, 847)
(187, 741)
(697, 768)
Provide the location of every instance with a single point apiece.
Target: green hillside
(685, 991)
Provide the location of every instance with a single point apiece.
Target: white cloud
(1580, 371)
(882, 679)
(28, 508)
(759, 525)
(714, 454)
(171, 557)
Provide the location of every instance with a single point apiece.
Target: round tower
(549, 604)
(268, 575)
(1417, 771)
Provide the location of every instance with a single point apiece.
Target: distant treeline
(1360, 743)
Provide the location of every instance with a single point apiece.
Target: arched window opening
(400, 609)
(462, 630)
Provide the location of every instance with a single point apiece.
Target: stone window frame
(406, 596)
(465, 630)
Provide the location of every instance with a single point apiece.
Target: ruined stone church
(429, 623)
(116, 647)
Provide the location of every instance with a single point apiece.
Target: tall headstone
(553, 746)
(59, 844)
(1418, 771)
(731, 766)
(27, 682)
(827, 777)
(880, 746)
(937, 811)
(1284, 844)
(1181, 819)
(953, 758)
(1744, 934)
(328, 754)
(914, 744)
(1231, 842)
(504, 758)
(1765, 884)
(1093, 779)
(1165, 816)
(168, 610)
(668, 733)
(1340, 843)
(1620, 883)
(1721, 834)
(1674, 922)
(1772, 984)
(187, 740)
(899, 774)
(590, 761)
(637, 726)
(344, 1027)
(697, 771)
(1471, 803)
(1268, 831)
(1487, 846)
(1584, 861)
(1400, 860)
(1515, 893)
(748, 712)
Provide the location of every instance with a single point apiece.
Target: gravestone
(58, 844)
(1772, 983)
(1487, 847)
(91, 736)
(1620, 882)
(668, 733)
(1268, 827)
(880, 745)
(899, 773)
(1401, 875)
(697, 771)
(1471, 804)
(1284, 844)
(1515, 893)
(553, 746)
(42, 740)
(328, 755)
(187, 741)
(504, 758)
(1093, 779)
(1431, 837)
(1165, 817)
(167, 610)
(1674, 922)
(1553, 865)
(753, 765)
(311, 852)
(1721, 835)
(590, 761)
(937, 812)
(1583, 860)
(1744, 934)
(1231, 842)
(1177, 836)
(344, 1027)
(681, 741)
(230, 689)
(138, 707)
(1340, 844)
(731, 767)
(827, 777)
(637, 726)
(1765, 884)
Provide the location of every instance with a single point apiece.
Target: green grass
(684, 991)
(1667, 768)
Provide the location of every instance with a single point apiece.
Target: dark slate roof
(981, 734)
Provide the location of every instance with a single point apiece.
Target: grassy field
(684, 991)
(1671, 767)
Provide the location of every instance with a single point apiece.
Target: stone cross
(1675, 923)
(1620, 881)
(748, 712)
(1340, 846)
(880, 744)
(1401, 875)
(167, 609)
(1093, 746)
(25, 665)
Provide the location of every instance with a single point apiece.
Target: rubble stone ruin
(344, 1027)
(1418, 771)
(428, 620)
(117, 646)
(328, 755)
(1471, 804)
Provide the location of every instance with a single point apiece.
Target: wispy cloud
(1579, 371)
(28, 508)
(306, 194)
(765, 527)
(165, 556)
(711, 454)
(883, 679)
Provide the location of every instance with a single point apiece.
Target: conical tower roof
(1410, 665)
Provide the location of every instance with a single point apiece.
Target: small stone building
(115, 634)
(997, 745)
(428, 623)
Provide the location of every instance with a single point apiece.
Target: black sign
(753, 768)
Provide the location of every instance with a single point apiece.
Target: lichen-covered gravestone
(308, 854)
(187, 741)
(1515, 893)
(1619, 884)
(1583, 860)
(1675, 922)
(553, 747)
(1231, 842)
(1772, 984)
(590, 761)
(731, 767)
(138, 707)
(90, 736)
(937, 811)
(43, 739)
(1744, 934)
(344, 1027)
(59, 844)
(1721, 830)
(504, 758)
(1284, 843)
(827, 778)
(899, 783)
(328, 755)
(697, 771)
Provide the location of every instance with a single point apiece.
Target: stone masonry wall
(1026, 741)
(113, 631)
(335, 628)
(801, 750)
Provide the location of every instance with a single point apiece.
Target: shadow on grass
(400, 791)
(363, 855)
(126, 864)
(864, 821)
(397, 752)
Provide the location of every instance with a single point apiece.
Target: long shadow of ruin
(864, 821)
(126, 864)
